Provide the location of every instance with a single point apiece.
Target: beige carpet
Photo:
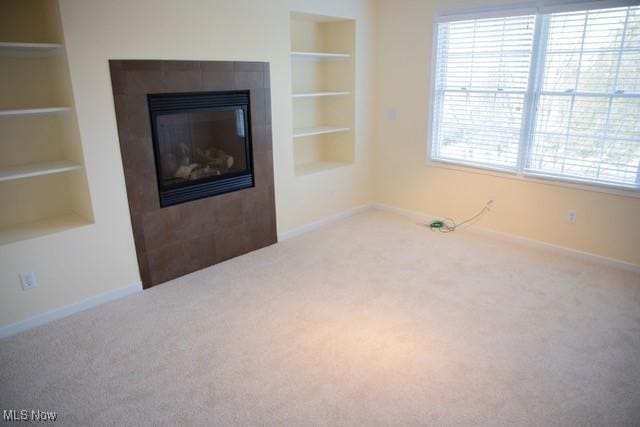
(371, 321)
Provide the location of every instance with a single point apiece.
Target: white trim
(582, 6)
(486, 14)
(318, 130)
(611, 262)
(527, 8)
(68, 310)
(33, 111)
(319, 56)
(322, 222)
(432, 94)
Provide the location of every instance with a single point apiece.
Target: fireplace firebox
(201, 144)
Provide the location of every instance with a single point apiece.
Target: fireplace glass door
(202, 148)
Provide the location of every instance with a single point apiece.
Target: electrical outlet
(392, 114)
(28, 280)
(571, 216)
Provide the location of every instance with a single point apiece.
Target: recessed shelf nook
(323, 83)
(43, 185)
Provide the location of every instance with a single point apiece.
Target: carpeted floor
(370, 321)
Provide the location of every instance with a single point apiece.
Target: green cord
(447, 225)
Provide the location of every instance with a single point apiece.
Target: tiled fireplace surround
(179, 239)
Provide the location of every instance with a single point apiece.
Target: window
(545, 94)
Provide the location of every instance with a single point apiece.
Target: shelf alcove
(43, 186)
(323, 82)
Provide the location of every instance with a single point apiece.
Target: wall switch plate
(392, 114)
(28, 280)
(571, 217)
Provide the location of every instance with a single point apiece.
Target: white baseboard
(59, 313)
(322, 223)
(514, 238)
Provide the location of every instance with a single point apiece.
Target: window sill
(538, 179)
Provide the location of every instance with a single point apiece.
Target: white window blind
(481, 82)
(588, 120)
(548, 94)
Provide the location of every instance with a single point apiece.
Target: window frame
(532, 95)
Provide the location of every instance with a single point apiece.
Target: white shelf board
(29, 49)
(42, 227)
(33, 111)
(318, 130)
(319, 56)
(318, 94)
(37, 169)
(314, 167)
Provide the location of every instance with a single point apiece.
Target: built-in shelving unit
(323, 83)
(319, 56)
(37, 169)
(43, 186)
(319, 94)
(318, 130)
(33, 111)
(37, 49)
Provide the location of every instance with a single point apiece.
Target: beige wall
(607, 224)
(98, 258)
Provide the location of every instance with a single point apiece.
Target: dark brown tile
(249, 80)
(167, 262)
(143, 265)
(118, 78)
(189, 221)
(158, 229)
(143, 78)
(183, 76)
(258, 110)
(267, 104)
(121, 105)
(251, 66)
(228, 209)
(142, 65)
(216, 66)
(261, 231)
(232, 242)
(142, 193)
(218, 81)
(267, 76)
(137, 116)
(138, 232)
(202, 252)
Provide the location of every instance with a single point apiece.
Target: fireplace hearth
(202, 144)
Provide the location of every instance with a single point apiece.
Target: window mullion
(574, 89)
(605, 132)
(534, 85)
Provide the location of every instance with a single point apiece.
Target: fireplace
(201, 143)
(188, 130)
